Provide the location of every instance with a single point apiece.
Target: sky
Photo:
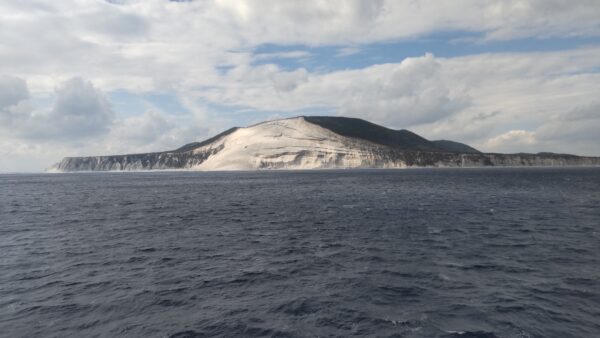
(99, 77)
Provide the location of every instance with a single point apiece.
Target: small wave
(188, 334)
(469, 334)
(299, 307)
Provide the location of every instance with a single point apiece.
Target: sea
(511, 252)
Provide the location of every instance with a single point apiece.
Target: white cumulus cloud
(61, 58)
(79, 111)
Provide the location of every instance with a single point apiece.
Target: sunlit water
(407, 253)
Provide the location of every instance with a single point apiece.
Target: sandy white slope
(298, 144)
(288, 144)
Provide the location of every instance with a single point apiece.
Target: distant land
(316, 142)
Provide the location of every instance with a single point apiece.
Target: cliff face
(150, 161)
(322, 160)
(299, 143)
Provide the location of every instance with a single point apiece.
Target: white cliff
(316, 143)
(289, 144)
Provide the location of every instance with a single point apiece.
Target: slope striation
(316, 142)
(361, 129)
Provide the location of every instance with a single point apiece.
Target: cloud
(347, 51)
(80, 111)
(206, 52)
(480, 99)
(542, 18)
(12, 91)
(410, 93)
(13, 101)
(153, 131)
(156, 44)
(513, 139)
(288, 81)
(294, 54)
(584, 113)
(80, 122)
(144, 129)
(572, 131)
(405, 94)
(367, 21)
(473, 99)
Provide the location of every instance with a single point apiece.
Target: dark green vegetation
(398, 139)
(455, 147)
(380, 147)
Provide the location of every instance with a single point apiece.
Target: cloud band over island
(94, 77)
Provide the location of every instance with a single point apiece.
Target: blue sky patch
(453, 44)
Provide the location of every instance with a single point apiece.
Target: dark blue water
(408, 253)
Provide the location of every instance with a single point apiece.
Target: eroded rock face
(150, 161)
(298, 143)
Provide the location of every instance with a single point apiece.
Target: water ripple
(413, 253)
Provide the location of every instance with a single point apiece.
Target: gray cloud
(590, 111)
(13, 102)
(12, 91)
(141, 45)
(80, 111)
(411, 93)
(115, 23)
(574, 131)
(153, 131)
(81, 122)
(148, 46)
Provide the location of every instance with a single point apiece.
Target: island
(316, 142)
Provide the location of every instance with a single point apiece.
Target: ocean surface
(378, 253)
